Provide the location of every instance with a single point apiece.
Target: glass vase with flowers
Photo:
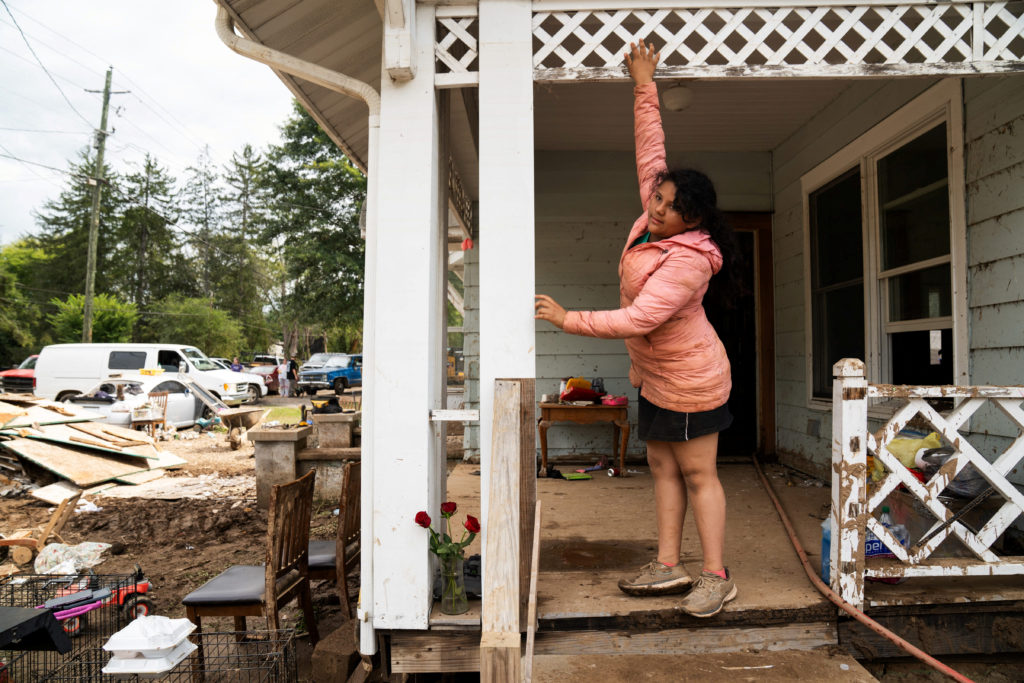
(451, 554)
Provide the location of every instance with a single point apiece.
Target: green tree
(243, 284)
(112, 319)
(64, 230)
(201, 210)
(18, 316)
(147, 261)
(315, 196)
(185, 320)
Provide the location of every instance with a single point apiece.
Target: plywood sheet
(81, 467)
(117, 435)
(56, 493)
(141, 477)
(69, 436)
(50, 413)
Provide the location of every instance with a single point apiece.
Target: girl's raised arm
(641, 61)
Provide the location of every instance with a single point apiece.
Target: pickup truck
(337, 371)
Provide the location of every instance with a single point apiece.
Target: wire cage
(227, 657)
(90, 608)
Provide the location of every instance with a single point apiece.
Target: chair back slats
(348, 525)
(291, 506)
(59, 519)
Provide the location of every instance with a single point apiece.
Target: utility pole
(94, 222)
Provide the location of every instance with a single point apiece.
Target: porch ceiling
(736, 115)
(725, 115)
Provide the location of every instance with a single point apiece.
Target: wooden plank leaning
(500, 635)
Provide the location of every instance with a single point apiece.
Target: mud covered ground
(181, 543)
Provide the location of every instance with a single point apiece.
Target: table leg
(615, 444)
(542, 429)
(624, 428)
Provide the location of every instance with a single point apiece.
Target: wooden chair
(24, 543)
(334, 560)
(261, 590)
(157, 414)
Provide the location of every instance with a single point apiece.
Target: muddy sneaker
(657, 579)
(709, 595)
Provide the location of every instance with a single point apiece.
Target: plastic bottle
(873, 547)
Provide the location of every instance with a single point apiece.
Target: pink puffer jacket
(677, 358)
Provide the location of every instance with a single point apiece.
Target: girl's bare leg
(669, 499)
(696, 461)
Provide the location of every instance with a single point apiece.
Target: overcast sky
(187, 90)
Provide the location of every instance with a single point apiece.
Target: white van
(64, 370)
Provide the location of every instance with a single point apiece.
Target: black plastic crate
(228, 657)
(103, 615)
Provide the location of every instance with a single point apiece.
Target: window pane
(836, 234)
(127, 360)
(914, 201)
(922, 357)
(837, 277)
(838, 332)
(920, 294)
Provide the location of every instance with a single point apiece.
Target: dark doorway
(752, 396)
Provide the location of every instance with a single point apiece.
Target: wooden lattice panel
(995, 473)
(455, 51)
(806, 40)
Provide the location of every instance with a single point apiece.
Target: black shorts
(662, 424)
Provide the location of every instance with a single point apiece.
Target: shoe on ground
(657, 579)
(709, 594)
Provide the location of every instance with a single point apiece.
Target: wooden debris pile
(50, 441)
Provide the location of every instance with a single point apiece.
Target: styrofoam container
(149, 636)
(150, 665)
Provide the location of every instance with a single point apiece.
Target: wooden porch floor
(596, 531)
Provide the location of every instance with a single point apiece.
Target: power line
(34, 163)
(42, 130)
(41, 65)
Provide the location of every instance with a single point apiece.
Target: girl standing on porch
(677, 359)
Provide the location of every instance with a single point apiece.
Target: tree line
(231, 260)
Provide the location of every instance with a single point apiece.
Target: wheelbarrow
(237, 420)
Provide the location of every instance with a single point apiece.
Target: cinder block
(337, 654)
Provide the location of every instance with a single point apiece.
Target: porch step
(782, 665)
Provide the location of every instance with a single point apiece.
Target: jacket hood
(698, 240)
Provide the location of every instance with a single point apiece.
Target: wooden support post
(406, 370)
(499, 641)
(849, 471)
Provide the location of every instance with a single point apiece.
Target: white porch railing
(853, 507)
(581, 40)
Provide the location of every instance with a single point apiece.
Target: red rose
(448, 508)
(423, 519)
(472, 524)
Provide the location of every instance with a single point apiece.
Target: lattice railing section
(802, 40)
(455, 48)
(855, 507)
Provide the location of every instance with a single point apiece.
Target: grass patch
(284, 414)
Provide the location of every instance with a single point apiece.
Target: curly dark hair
(696, 200)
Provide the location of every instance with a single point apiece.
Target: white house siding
(586, 203)
(994, 149)
(994, 169)
(803, 435)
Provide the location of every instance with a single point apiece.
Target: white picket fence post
(849, 480)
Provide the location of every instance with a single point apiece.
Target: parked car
(64, 370)
(337, 371)
(115, 397)
(269, 375)
(20, 380)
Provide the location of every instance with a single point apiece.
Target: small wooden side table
(618, 416)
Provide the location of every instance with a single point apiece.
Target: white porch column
(506, 206)
(408, 326)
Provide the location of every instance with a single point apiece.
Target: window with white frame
(884, 225)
